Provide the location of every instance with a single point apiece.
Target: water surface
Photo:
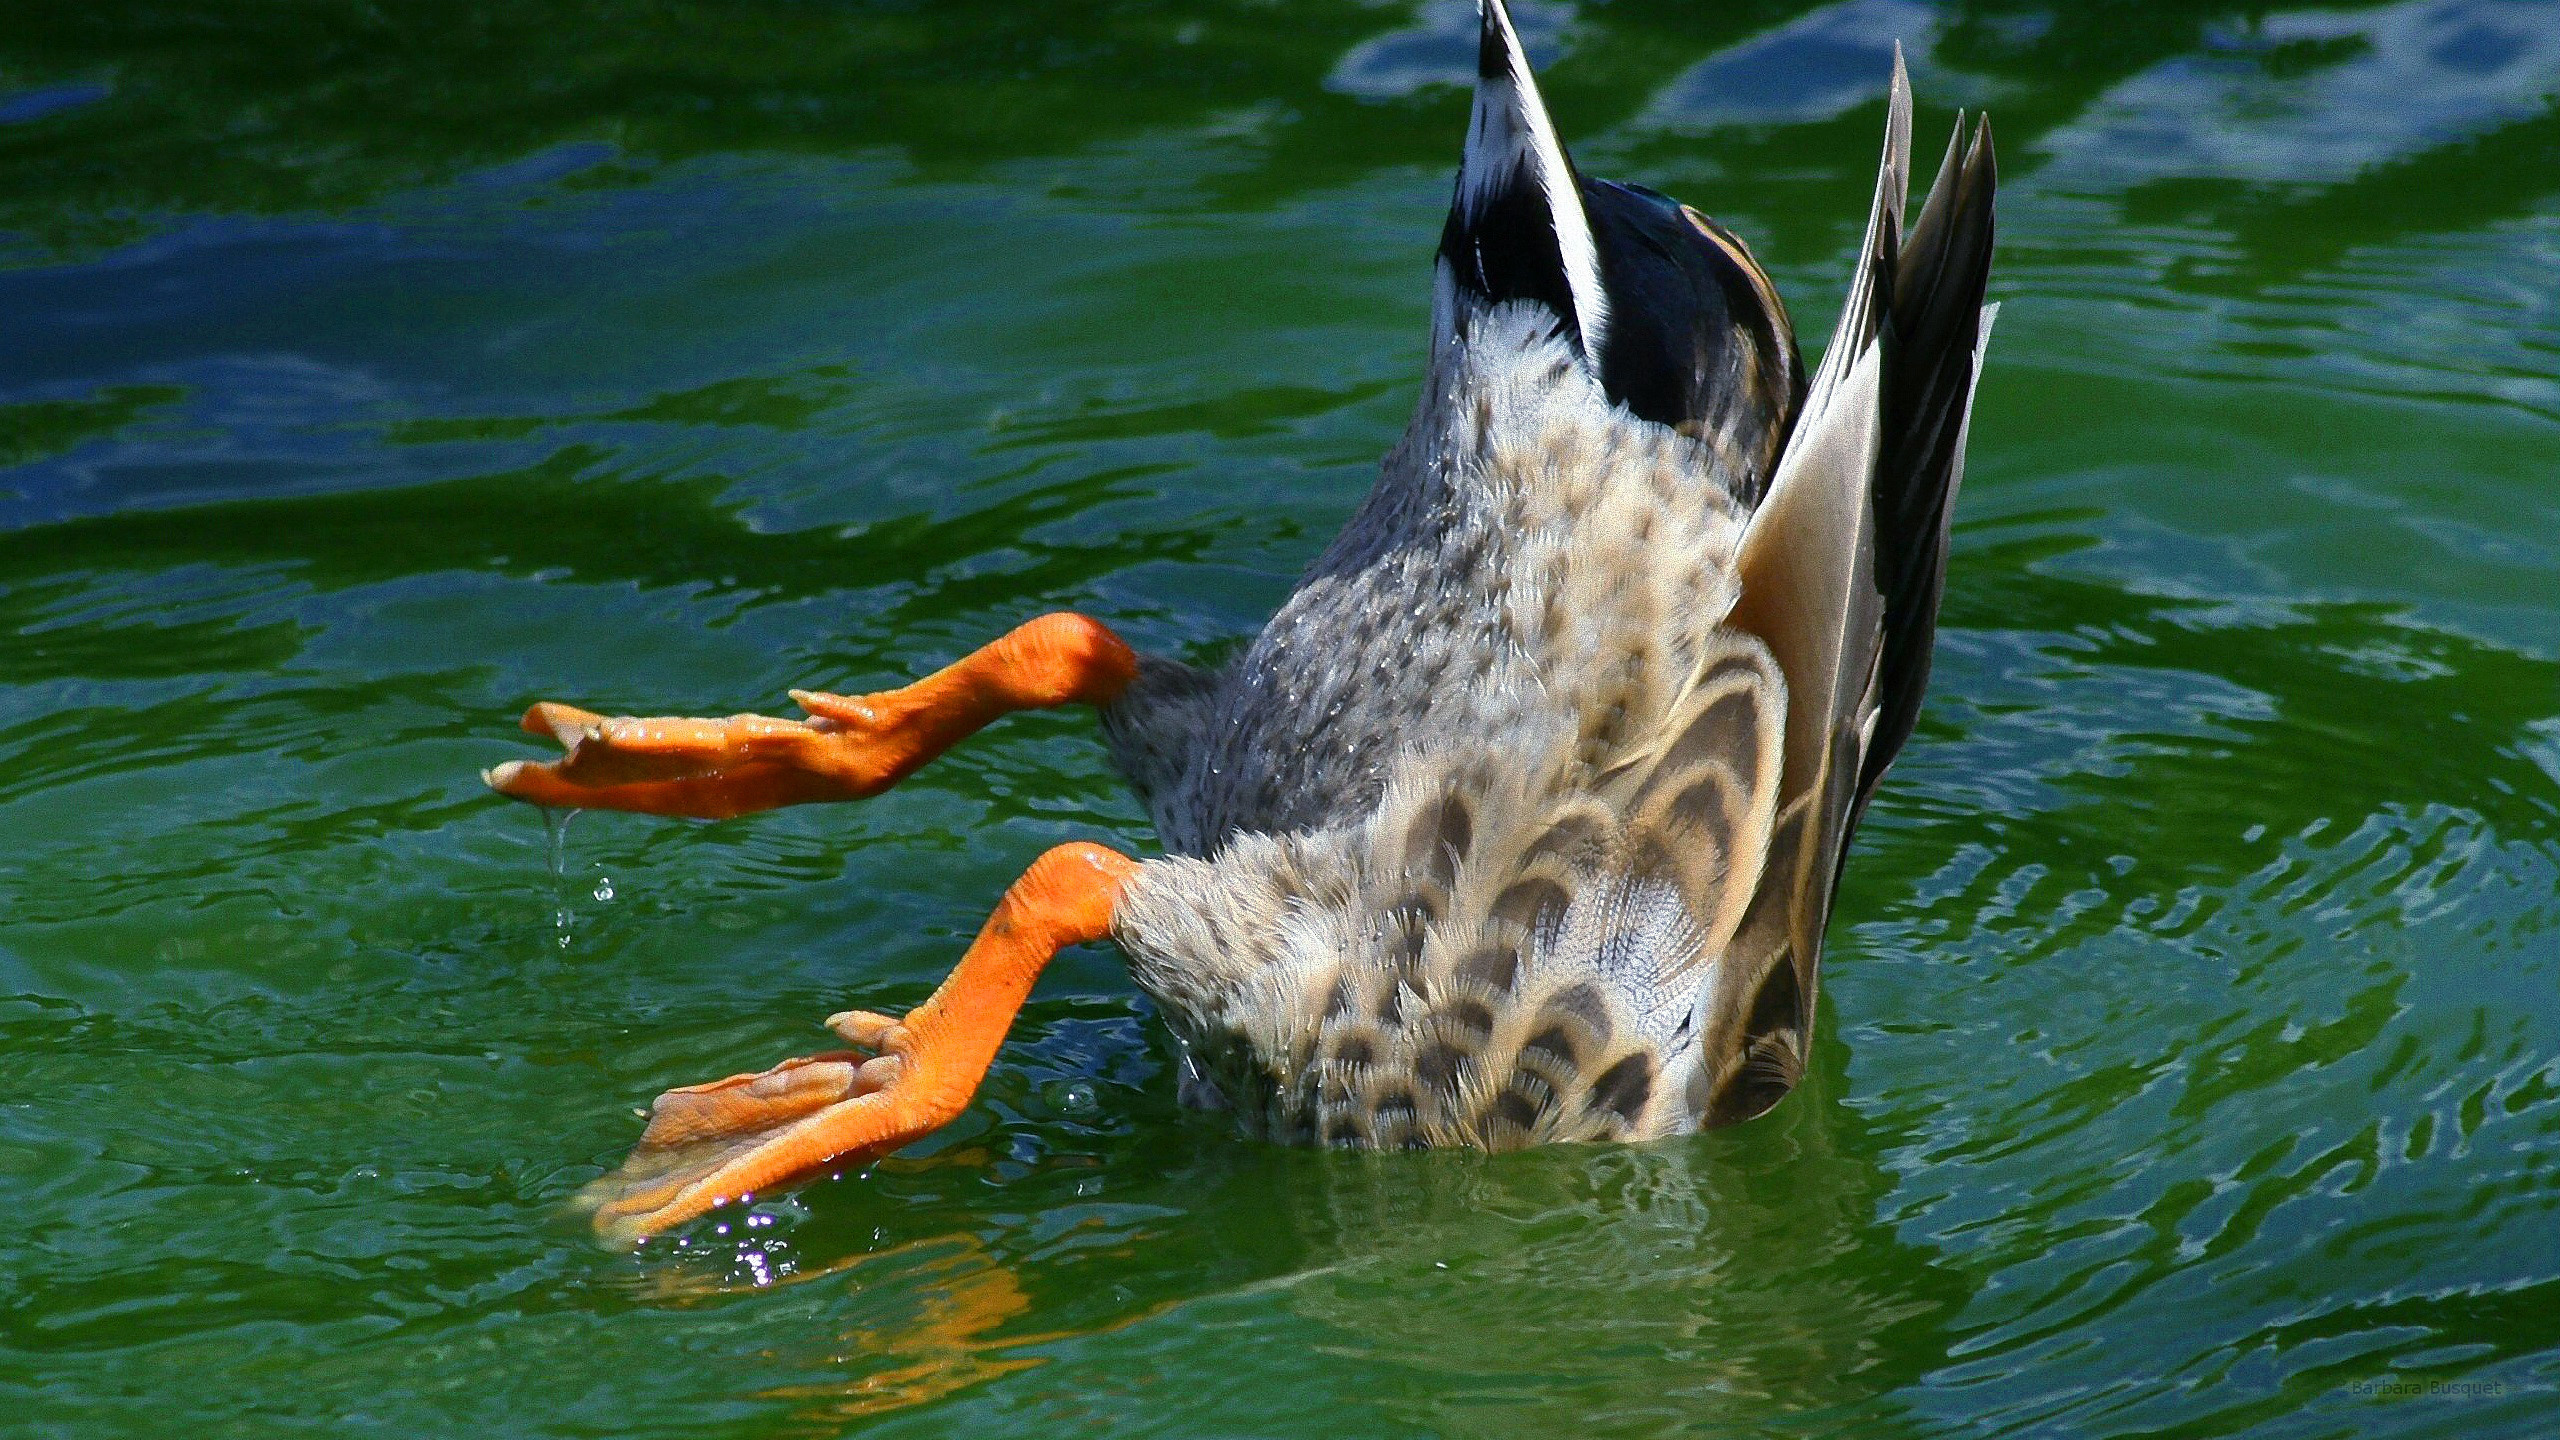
(2187, 1057)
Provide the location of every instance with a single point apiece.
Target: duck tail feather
(1869, 308)
(1517, 226)
(1939, 328)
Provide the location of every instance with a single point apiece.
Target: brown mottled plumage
(1521, 820)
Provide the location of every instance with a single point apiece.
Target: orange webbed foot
(709, 769)
(908, 1076)
(851, 747)
(709, 1144)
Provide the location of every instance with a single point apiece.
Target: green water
(2187, 1062)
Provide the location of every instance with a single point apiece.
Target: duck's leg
(851, 747)
(709, 1144)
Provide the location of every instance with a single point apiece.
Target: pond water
(2187, 1052)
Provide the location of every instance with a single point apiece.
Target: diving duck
(1521, 820)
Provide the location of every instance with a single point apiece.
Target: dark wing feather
(1933, 354)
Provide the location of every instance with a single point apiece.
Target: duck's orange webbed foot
(707, 1145)
(850, 748)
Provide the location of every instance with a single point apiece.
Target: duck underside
(1521, 820)
(1461, 835)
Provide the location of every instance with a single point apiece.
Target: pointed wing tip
(1495, 40)
(1511, 139)
(1897, 127)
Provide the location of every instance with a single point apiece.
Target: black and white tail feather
(1677, 320)
(1517, 229)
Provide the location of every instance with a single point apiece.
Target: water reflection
(317, 106)
(1439, 48)
(1814, 68)
(1606, 1291)
(2315, 97)
(352, 110)
(936, 1315)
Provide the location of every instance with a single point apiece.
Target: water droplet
(604, 887)
(555, 826)
(1078, 1098)
(555, 829)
